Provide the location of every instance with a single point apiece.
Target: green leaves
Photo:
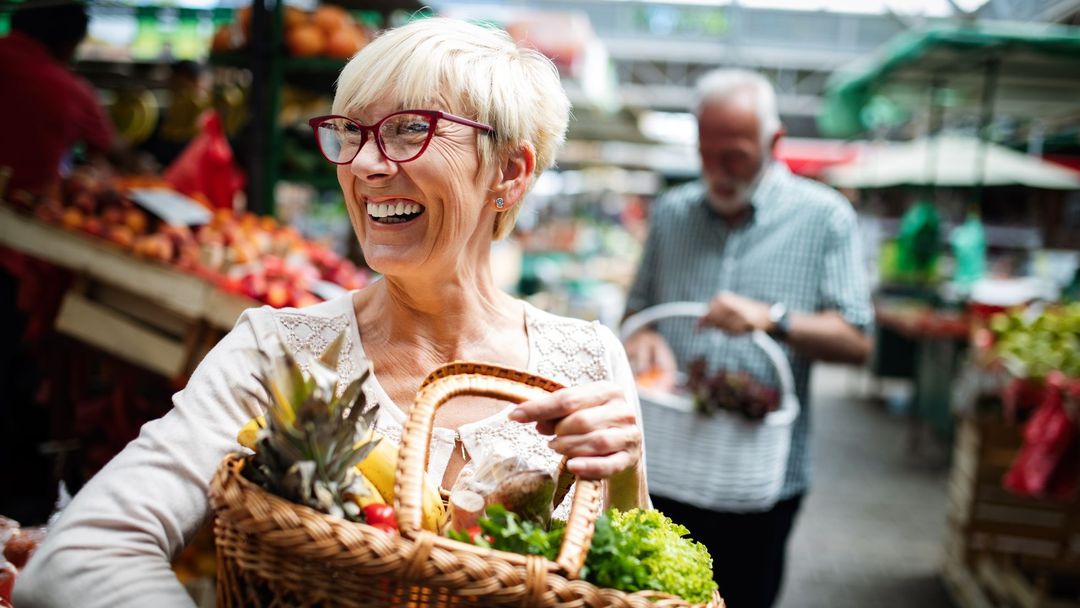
(313, 439)
(631, 551)
(646, 550)
(508, 532)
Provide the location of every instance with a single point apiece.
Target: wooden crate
(986, 580)
(1041, 534)
(140, 311)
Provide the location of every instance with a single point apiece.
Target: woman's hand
(593, 425)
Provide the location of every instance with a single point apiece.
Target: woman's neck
(452, 317)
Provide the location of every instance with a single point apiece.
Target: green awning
(1038, 74)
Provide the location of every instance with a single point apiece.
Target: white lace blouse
(113, 544)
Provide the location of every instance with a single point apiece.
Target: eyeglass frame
(433, 116)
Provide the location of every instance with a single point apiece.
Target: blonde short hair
(471, 70)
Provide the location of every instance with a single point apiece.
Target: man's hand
(736, 315)
(650, 356)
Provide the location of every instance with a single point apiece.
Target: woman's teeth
(394, 213)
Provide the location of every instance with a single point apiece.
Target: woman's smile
(393, 211)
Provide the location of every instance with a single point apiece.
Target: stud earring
(500, 203)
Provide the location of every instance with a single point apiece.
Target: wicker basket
(272, 552)
(719, 461)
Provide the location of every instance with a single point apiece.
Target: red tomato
(380, 514)
(477, 536)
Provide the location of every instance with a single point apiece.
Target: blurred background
(952, 126)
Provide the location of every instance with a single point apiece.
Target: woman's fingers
(593, 425)
(581, 422)
(600, 442)
(564, 402)
(600, 467)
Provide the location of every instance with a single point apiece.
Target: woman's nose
(371, 164)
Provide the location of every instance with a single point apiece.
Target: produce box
(995, 581)
(1040, 534)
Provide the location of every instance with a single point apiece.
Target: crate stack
(1004, 550)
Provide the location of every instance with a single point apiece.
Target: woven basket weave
(272, 552)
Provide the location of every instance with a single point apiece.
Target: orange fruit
(331, 18)
(305, 40)
(343, 43)
(243, 18)
(294, 17)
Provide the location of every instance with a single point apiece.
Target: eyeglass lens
(402, 137)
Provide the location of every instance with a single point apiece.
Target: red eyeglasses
(401, 136)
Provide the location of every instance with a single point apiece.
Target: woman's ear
(514, 173)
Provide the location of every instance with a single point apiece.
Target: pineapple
(313, 439)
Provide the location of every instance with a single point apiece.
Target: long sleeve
(113, 545)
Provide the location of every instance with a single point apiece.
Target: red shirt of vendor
(45, 109)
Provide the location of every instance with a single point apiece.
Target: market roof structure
(1031, 69)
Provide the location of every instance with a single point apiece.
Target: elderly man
(769, 251)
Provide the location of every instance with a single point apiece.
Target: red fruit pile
(242, 253)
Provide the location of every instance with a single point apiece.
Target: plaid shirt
(800, 246)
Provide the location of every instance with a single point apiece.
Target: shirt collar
(775, 173)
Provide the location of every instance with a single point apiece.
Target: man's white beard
(740, 198)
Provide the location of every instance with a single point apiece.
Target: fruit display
(1033, 345)
(241, 253)
(735, 391)
(317, 446)
(328, 31)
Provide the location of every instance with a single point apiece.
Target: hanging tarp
(1037, 74)
(949, 160)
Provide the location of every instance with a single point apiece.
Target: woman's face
(425, 217)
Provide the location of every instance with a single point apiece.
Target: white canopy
(957, 160)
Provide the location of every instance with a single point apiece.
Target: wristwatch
(780, 320)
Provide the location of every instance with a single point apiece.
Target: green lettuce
(635, 550)
(641, 549)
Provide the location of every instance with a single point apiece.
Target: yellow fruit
(379, 468)
(249, 432)
(373, 497)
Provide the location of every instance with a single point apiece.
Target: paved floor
(870, 532)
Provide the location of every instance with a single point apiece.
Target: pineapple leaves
(313, 439)
(330, 356)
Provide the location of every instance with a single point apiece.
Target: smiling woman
(463, 120)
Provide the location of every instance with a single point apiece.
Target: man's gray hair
(725, 83)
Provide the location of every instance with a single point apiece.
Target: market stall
(1013, 513)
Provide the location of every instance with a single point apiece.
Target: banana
(249, 432)
(374, 497)
(379, 468)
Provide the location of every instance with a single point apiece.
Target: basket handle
(482, 380)
(769, 346)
